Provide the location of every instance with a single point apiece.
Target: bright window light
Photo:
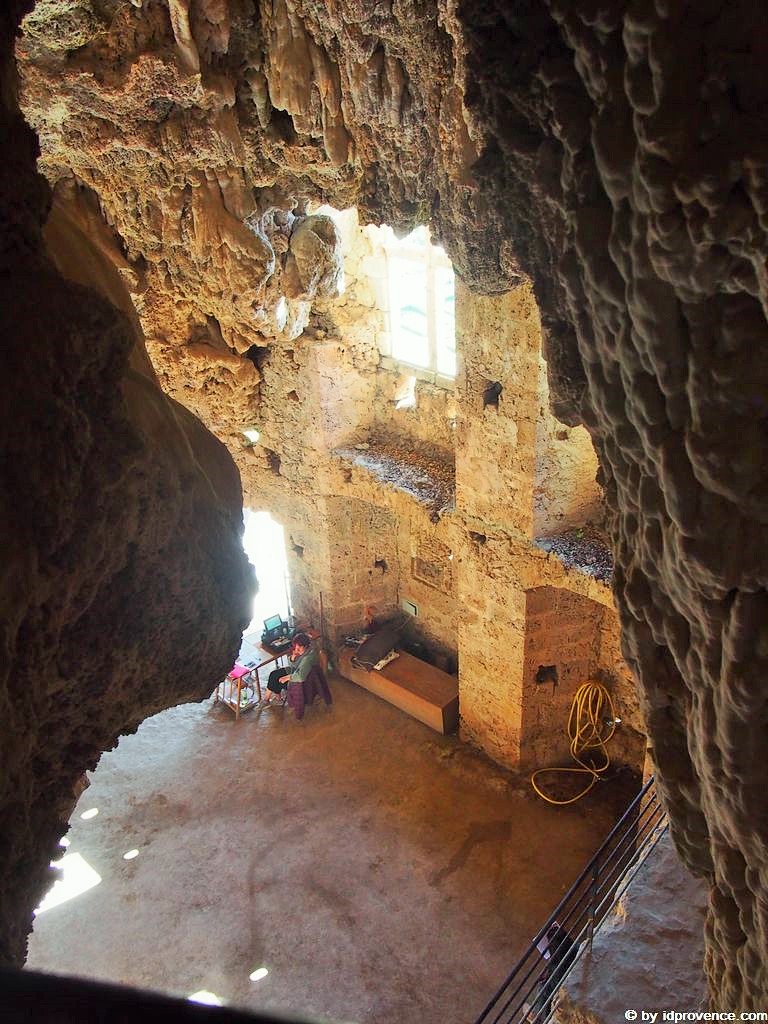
(77, 877)
(87, 815)
(207, 998)
(258, 974)
(64, 842)
(130, 855)
(421, 303)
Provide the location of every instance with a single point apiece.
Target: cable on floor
(591, 724)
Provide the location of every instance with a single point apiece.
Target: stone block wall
(565, 493)
(430, 420)
(491, 637)
(428, 579)
(364, 564)
(562, 633)
(498, 340)
(628, 745)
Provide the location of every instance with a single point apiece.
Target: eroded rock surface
(614, 152)
(124, 586)
(648, 952)
(626, 149)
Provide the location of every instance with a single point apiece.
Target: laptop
(275, 632)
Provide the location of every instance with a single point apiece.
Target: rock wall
(566, 493)
(579, 638)
(497, 391)
(626, 146)
(120, 518)
(562, 632)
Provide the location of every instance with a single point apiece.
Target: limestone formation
(124, 585)
(626, 147)
(613, 152)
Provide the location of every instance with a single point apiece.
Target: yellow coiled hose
(591, 724)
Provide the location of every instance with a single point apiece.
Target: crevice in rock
(273, 461)
(258, 355)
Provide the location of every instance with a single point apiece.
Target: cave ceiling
(203, 129)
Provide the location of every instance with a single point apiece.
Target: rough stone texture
(120, 520)
(648, 953)
(579, 637)
(561, 630)
(427, 475)
(614, 152)
(498, 457)
(584, 548)
(500, 342)
(566, 493)
(626, 146)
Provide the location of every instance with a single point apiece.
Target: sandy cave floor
(380, 872)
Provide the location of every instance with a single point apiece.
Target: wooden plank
(420, 690)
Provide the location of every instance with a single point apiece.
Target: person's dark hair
(302, 640)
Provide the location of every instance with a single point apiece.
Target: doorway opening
(264, 544)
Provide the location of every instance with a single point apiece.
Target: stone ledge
(649, 953)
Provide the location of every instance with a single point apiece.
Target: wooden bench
(419, 689)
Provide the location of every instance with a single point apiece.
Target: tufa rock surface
(124, 586)
(647, 954)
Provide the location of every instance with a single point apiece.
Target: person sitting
(302, 657)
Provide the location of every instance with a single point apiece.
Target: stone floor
(380, 872)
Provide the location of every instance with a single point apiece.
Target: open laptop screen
(273, 622)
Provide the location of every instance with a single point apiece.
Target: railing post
(593, 902)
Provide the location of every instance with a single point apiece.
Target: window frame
(432, 259)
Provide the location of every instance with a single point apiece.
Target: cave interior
(549, 442)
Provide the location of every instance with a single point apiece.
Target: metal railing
(526, 996)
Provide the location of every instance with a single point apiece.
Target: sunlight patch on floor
(77, 877)
(206, 998)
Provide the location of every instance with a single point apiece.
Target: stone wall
(499, 340)
(629, 742)
(566, 493)
(365, 568)
(562, 632)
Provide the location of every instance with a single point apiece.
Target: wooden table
(256, 656)
(229, 692)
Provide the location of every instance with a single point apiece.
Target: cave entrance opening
(264, 544)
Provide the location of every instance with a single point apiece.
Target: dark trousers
(274, 676)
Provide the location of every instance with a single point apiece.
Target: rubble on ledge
(426, 474)
(584, 549)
